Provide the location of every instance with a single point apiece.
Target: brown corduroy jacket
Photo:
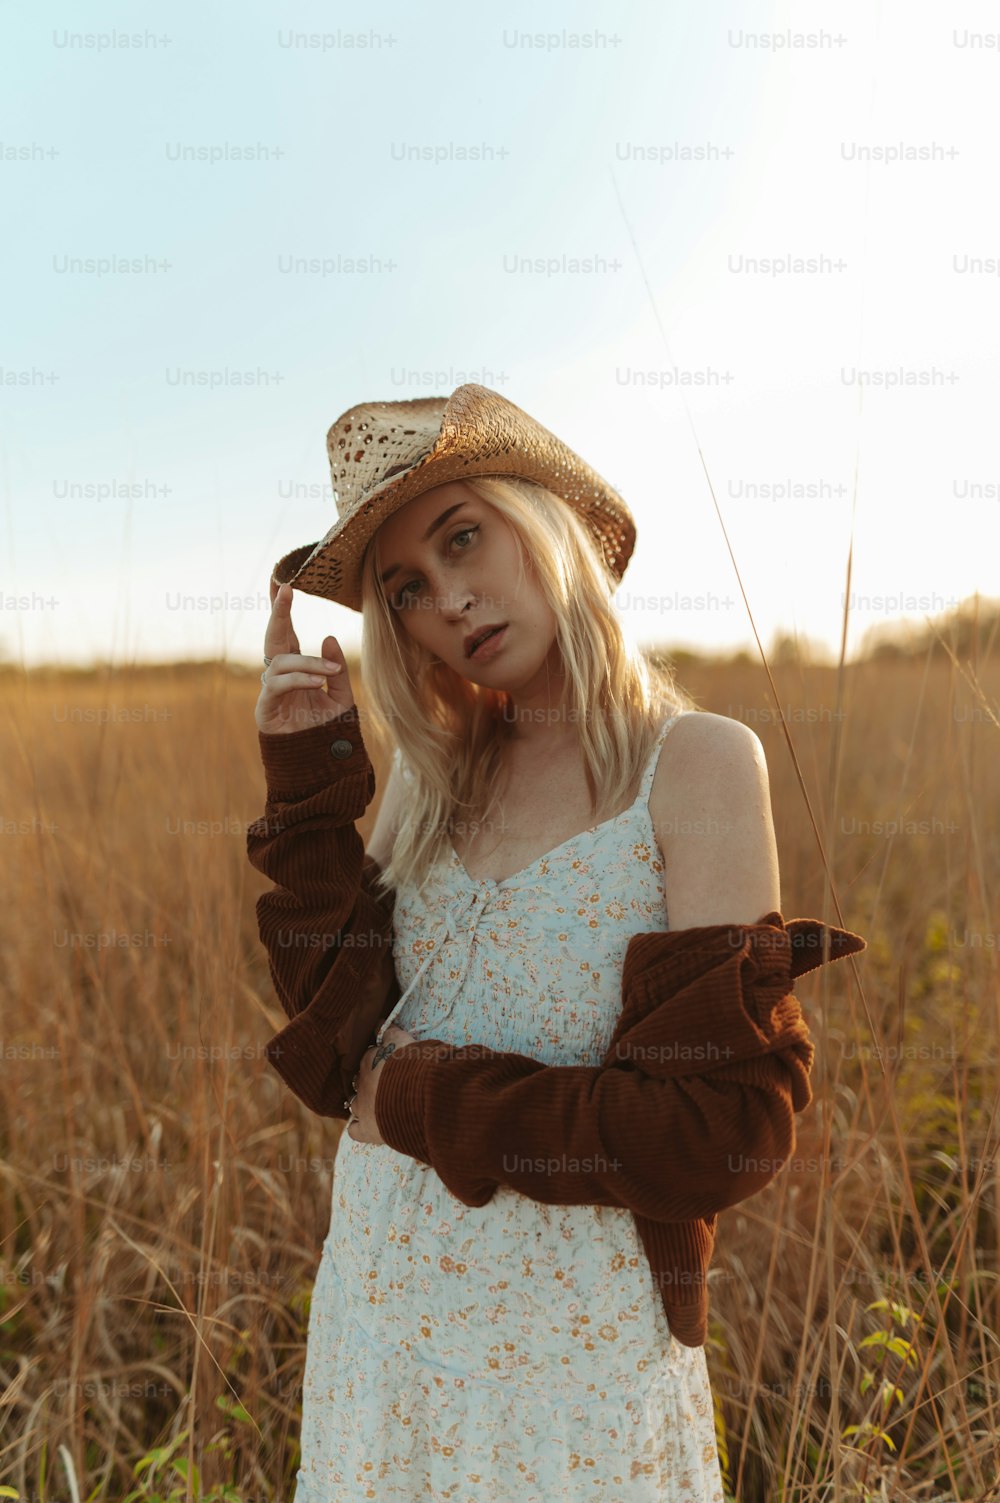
(692, 1110)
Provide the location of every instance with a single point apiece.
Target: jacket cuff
(399, 1099)
(302, 762)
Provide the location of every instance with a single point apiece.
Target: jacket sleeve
(692, 1110)
(327, 931)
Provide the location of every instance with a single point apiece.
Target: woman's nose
(455, 599)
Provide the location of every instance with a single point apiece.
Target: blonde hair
(454, 730)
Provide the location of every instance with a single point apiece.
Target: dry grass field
(164, 1198)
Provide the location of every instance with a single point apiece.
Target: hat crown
(374, 441)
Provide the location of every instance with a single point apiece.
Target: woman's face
(449, 564)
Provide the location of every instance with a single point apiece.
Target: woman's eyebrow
(432, 529)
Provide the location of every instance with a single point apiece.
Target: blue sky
(143, 511)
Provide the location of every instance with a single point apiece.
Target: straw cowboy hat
(383, 454)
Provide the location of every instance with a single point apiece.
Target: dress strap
(649, 773)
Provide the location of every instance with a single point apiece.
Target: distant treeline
(970, 631)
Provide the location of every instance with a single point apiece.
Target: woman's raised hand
(297, 691)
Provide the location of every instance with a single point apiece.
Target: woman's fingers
(286, 681)
(287, 662)
(298, 690)
(280, 634)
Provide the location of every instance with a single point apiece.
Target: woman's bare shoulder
(702, 730)
(699, 749)
(711, 810)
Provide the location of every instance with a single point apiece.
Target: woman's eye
(403, 597)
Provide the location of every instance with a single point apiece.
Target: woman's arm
(692, 1111)
(328, 934)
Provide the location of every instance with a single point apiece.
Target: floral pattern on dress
(515, 1352)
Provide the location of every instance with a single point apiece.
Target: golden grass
(165, 1199)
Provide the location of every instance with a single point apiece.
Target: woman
(534, 821)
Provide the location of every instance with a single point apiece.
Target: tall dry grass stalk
(164, 1199)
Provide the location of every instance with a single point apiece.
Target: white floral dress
(514, 1352)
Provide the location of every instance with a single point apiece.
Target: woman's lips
(489, 647)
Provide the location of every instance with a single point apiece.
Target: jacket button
(341, 748)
